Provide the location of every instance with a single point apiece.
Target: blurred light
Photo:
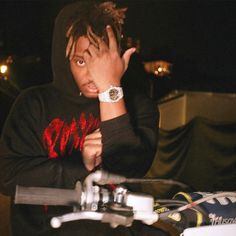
(158, 68)
(9, 60)
(3, 69)
(5, 77)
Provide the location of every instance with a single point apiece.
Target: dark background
(198, 37)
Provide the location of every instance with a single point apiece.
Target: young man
(56, 134)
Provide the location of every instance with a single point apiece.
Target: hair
(95, 16)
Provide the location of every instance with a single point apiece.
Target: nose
(88, 76)
(89, 80)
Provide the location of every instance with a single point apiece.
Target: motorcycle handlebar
(48, 196)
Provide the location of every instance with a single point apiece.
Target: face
(79, 69)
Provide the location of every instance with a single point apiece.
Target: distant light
(4, 78)
(159, 68)
(3, 69)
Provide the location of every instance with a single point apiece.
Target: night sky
(198, 37)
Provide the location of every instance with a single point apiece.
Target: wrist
(104, 87)
(111, 95)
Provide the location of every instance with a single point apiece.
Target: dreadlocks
(95, 17)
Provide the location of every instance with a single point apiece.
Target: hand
(92, 150)
(103, 61)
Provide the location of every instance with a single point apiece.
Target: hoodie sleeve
(129, 141)
(23, 159)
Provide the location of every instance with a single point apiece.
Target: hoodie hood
(62, 76)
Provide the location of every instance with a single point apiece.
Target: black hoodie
(42, 139)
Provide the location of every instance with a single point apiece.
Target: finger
(91, 37)
(93, 51)
(96, 131)
(97, 141)
(101, 45)
(89, 152)
(126, 56)
(86, 56)
(94, 135)
(92, 151)
(111, 39)
(98, 161)
(98, 150)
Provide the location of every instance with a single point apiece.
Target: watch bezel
(113, 94)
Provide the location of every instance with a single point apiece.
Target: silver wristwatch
(113, 94)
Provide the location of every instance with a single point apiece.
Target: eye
(80, 62)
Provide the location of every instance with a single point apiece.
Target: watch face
(114, 94)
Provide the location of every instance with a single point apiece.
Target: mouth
(91, 87)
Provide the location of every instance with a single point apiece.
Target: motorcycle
(104, 197)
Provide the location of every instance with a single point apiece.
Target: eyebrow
(78, 56)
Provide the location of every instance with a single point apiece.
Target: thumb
(126, 56)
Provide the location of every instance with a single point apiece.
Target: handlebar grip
(47, 196)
